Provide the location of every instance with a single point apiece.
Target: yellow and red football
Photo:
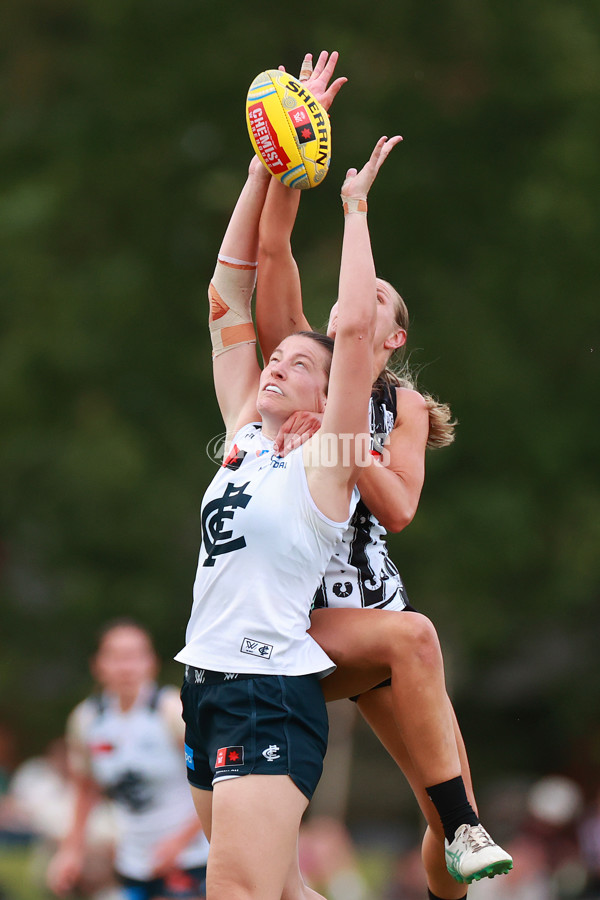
(289, 129)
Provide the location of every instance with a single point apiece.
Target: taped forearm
(230, 296)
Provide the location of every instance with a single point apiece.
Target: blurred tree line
(123, 148)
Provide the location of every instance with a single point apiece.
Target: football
(289, 129)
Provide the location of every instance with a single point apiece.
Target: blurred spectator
(38, 809)
(408, 880)
(589, 839)
(548, 862)
(530, 879)
(555, 806)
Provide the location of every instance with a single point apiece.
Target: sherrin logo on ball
(289, 129)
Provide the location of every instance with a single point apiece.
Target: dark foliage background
(123, 147)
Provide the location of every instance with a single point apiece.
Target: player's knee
(427, 644)
(417, 636)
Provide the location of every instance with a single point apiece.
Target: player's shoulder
(409, 401)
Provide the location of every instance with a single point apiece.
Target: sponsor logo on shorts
(189, 757)
(271, 753)
(229, 756)
(256, 648)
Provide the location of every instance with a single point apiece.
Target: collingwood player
(361, 575)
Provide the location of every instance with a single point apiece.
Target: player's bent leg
(376, 707)
(364, 643)
(406, 646)
(472, 854)
(255, 824)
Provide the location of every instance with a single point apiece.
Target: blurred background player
(126, 742)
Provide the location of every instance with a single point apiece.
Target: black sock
(450, 800)
(435, 896)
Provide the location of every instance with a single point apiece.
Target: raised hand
(358, 183)
(317, 79)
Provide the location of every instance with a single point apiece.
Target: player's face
(388, 333)
(295, 378)
(125, 660)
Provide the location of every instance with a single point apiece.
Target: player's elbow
(396, 516)
(397, 519)
(357, 327)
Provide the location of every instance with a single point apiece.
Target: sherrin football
(289, 129)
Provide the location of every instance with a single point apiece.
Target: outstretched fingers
(384, 147)
(317, 79)
(324, 59)
(358, 183)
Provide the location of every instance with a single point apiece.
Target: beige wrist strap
(354, 205)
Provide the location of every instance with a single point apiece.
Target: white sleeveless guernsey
(265, 548)
(137, 761)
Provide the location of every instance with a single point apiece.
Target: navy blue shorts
(259, 724)
(180, 884)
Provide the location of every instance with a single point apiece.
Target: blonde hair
(441, 423)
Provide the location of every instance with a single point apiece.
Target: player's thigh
(255, 824)
(203, 803)
(370, 637)
(368, 644)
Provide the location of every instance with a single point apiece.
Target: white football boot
(473, 855)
